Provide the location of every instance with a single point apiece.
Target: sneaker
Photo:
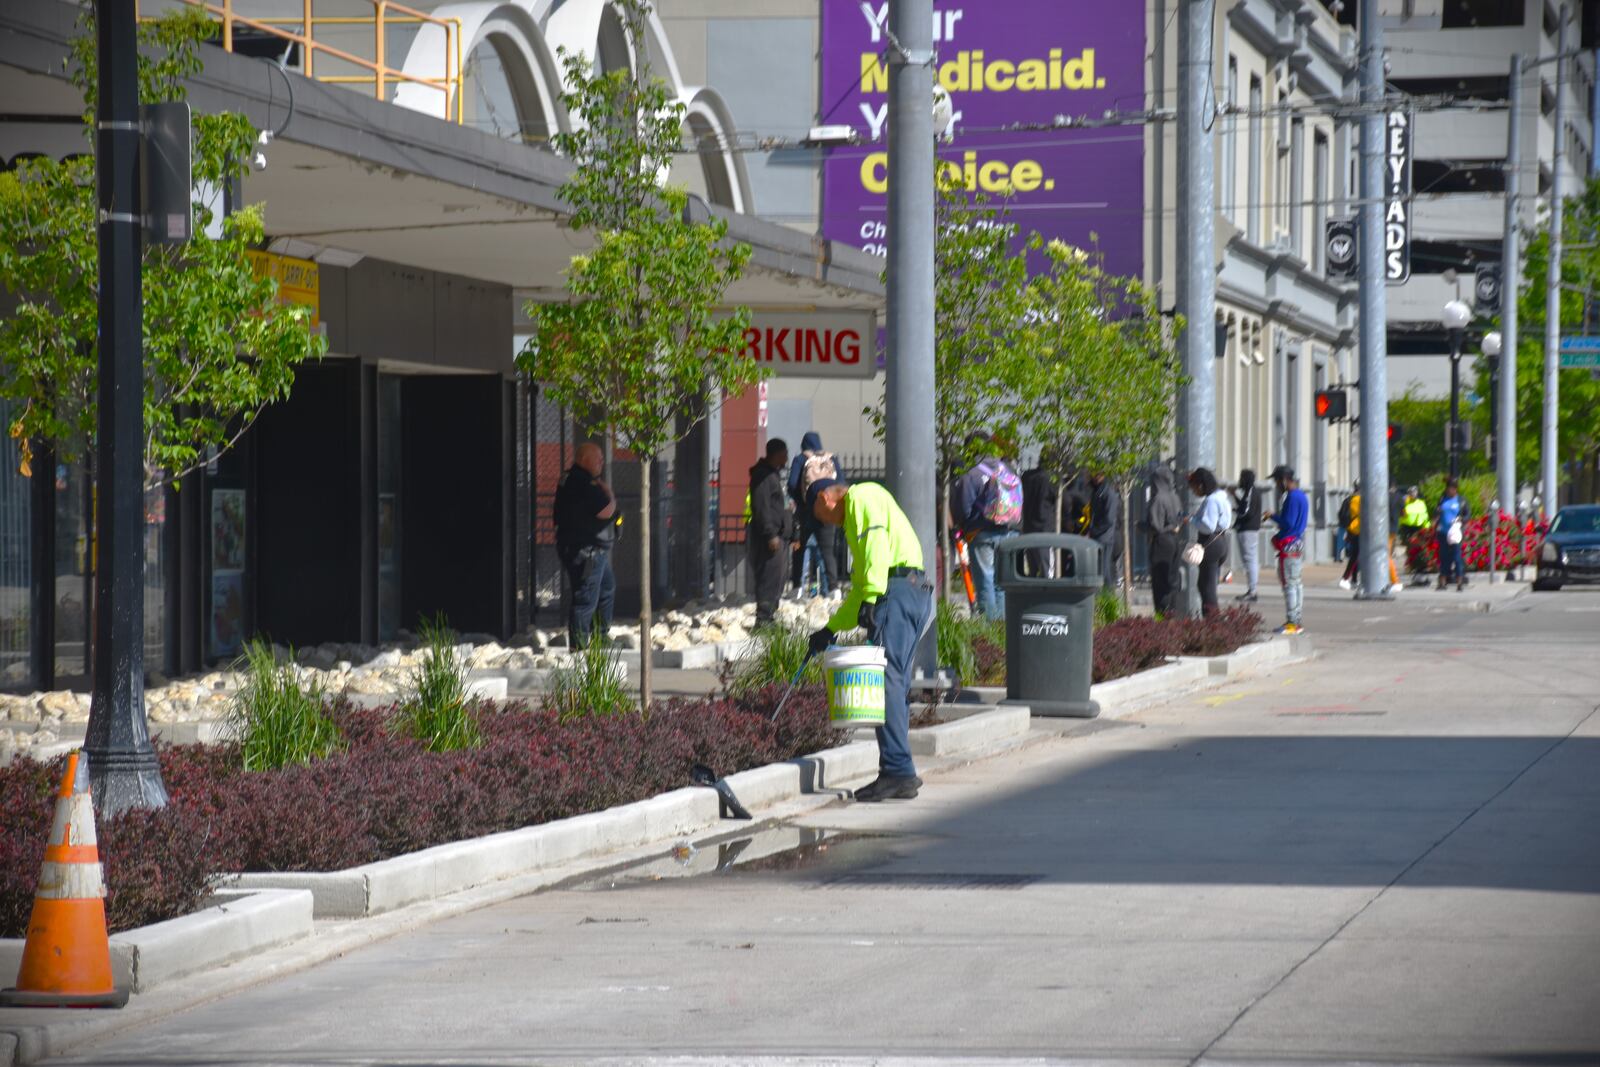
(1396, 588)
(1248, 598)
(889, 787)
(1344, 583)
(1290, 628)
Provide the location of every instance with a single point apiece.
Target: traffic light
(1331, 404)
(1395, 430)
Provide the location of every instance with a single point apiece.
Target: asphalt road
(1388, 855)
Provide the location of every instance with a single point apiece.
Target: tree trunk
(1127, 554)
(645, 665)
(942, 541)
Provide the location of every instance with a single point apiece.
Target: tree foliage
(643, 341)
(217, 345)
(1578, 401)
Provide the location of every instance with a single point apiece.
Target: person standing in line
(815, 540)
(986, 506)
(586, 519)
(1212, 518)
(1163, 522)
(892, 599)
(1289, 541)
(1414, 520)
(1105, 512)
(1247, 506)
(1452, 522)
(771, 529)
(1350, 523)
(1039, 495)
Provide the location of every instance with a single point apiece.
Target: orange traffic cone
(66, 962)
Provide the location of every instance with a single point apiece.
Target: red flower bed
(1138, 643)
(385, 795)
(1514, 544)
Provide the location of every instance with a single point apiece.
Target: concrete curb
(239, 924)
(973, 733)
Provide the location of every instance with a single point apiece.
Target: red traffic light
(1331, 404)
(1394, 431)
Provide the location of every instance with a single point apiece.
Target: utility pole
(1510, 286)
(1197, 277)
(122, 763)
(1549, 462)
(908, 387)
(1374, 316)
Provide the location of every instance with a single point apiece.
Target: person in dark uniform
(586, 520)
(1105, 512)
(771, 528)
(1163, 524)
(1039, 495)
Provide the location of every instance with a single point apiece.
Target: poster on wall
(227, 529)
(225, 631)
(1019, 62)
(226, 634)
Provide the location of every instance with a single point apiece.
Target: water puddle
(813, 853)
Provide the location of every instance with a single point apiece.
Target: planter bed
(385, 796)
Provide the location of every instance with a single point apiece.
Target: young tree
(643, 342)
(983, 369)
(1110, 370)
(217, 345)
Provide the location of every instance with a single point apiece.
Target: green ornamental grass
(780, 651)
(438, 713)
(278, 723)
(595, 683)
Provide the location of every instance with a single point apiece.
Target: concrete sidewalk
(1388, 855)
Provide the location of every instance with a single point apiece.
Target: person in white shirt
(1212, 520)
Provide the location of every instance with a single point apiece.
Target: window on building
(1471, 14)
(1485, 87)
(1551, 26)
(1345, 12)
(1458, 176)
(1295, 199)
(1252, 207)
(1547, 99)
(1230, 144)
(1319, 201)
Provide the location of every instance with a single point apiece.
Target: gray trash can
(1050, 621)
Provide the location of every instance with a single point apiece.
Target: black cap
(1282, 472)
(816, 489)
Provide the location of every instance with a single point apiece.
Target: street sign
(1486, 289)
(1397, 201)
(1579, 360)
(1340, 235)
(1576, 344)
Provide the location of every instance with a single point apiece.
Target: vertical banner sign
(1021, 61)
(1397, 211)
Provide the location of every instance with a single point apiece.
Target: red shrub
(1514, 545)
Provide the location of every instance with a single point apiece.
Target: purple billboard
(1002, 62)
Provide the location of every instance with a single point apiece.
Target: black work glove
(820, 641)
(867, 617)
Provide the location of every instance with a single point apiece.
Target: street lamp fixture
(1455, 318)
(1491, 344)
(1491, 354)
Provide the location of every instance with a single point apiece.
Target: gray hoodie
(1166, 510)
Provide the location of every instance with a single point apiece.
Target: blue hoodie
(1291, 518)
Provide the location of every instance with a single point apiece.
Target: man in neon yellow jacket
(892, 599)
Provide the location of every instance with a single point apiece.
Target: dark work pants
(768, 569)
(593, 587)
(904, 614)
(1163, 567)
(1210, 567)
(1111, 557)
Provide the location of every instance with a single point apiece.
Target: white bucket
(854, 677)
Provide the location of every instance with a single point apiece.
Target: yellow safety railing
(380, 75)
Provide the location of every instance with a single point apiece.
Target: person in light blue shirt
(1212, 520)
(1452, 517)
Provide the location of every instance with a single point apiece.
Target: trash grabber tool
(792, 683)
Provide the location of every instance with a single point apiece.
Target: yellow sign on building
(299, 280)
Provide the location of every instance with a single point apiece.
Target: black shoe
(1247, 598)
(889, 787)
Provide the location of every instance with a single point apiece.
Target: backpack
(818, 465)
(1001, 499)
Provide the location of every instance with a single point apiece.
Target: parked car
(1571, 550)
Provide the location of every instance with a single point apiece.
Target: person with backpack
(986, 506)
(814, 544)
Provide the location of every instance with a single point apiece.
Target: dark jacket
(769, 506)
(1247, 503)
(1104, 505)
(1073, 505)
(1038, 501)
(1164, 515)
(579, 501)
(966, 497)
(811, 442)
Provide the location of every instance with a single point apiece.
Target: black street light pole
(1456, 316)
(122, 763)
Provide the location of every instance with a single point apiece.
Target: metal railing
(379, 73)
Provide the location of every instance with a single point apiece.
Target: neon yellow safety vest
(1416, 513)
(880, 538)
